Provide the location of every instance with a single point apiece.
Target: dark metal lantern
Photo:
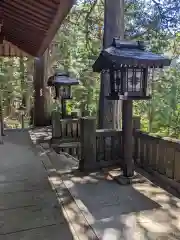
(129, 68)
(62, 83)
(22, 109)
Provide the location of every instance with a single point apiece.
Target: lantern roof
(62, 79)
(128, 53)
(22, 108)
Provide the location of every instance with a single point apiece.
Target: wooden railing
(108, 146)
(66, 135)
(70, 128)
(65, 128)
(100, 148)
(158, 154)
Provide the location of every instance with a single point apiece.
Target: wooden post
(1, 138)
(56, 126)
(88, 144)
(1, 119)
(127, 131)
(41, 113)
(63, 108)
(136, 126)
(136, 123)
(1, 125)
(22, 120)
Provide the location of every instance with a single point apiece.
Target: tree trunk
(41, 111)
(23, 84)
(29, 67)
(1, 118)
(113, 27)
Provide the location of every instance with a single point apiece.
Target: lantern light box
(62, 83)
(130, 69)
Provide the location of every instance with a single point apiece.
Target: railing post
(1, 134)
(88, 143)
(22, 121)
(136, 126)
(136, 123)
(56, 126)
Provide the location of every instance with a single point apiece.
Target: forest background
(76, 46)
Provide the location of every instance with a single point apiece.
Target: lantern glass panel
(135, 81)
(65, 92)
(130, 82)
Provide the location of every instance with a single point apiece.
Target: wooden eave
(30, 25)
(7, 49)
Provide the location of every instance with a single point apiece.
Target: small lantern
(130, 69)
(22, 109)
(62, 83)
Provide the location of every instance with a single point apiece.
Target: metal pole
(1, 114)
(22, 121)
(128, 169)
(1, 121)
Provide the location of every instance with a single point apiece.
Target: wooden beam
(26, 8)
(26, 27)
(8, 49)
(23, 34)
(23, 18)
(63, 9)
(49, 4)
(24, 22)
(31, 16)
(18, 35)
(35, 6)
(20, 44)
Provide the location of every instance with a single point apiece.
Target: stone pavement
(29, 208)
(141, 211)
(81, 206)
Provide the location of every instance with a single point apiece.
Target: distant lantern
(130, 69)
(62, 83)
(22, 110)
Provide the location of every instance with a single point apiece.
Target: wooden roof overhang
(30, 25)
(7, 49)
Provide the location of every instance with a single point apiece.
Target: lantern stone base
(117, 175)
(124, 180)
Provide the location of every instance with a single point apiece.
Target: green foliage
(78, 43)
(14, 86)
